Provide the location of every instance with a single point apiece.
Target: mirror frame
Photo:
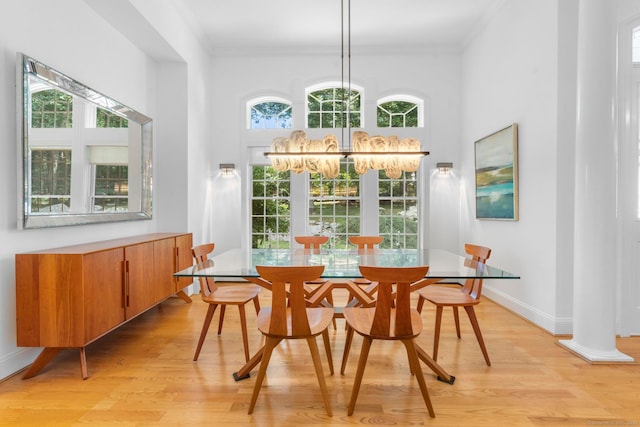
(26, 67)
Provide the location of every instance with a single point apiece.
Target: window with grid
(270, 115)
(107, 119)
(398, 210)
(50, 181)
(334, 205)
(111, 188)
(51, 108)
(270, 207)
(329, 107)
(400, 111)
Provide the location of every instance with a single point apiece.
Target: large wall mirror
(85, 158)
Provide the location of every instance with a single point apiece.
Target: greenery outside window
(270, 208)
(51, 109)
(334, 205)
(327, 108)
(397, 114)
(111, 193)
(270, 115)
(50, 181)
(398, 210)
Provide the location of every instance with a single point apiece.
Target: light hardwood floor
(142, 374)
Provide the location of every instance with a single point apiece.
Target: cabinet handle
(126, 283)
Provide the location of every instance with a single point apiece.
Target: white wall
(510, 75)
(432, 76)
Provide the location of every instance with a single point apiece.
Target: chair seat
(319, 320)
(445, 296)
(236, 294)
(361, 320)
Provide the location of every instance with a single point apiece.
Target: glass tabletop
(344, 263)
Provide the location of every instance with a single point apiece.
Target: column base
(595, 356)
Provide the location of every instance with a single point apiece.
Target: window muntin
(270, 114)
(107, 119)
(329, 107)
(270, 207)
(397, 114)
(398, 210)
(334, 205)
(50, 181)
(51, 108)
(111, 188)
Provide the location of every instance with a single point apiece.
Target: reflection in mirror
(85, 157)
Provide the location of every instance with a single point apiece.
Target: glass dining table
(342, 270)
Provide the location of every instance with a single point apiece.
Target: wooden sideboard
(69, 297)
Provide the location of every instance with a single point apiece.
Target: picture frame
(496, 174)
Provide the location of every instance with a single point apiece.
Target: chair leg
(315, 356)
(362, 362)
(243, 326)
(330, 301)
(456, 318)
(420, 303)
(436, 333)
(327, 349)
(221, 320)
(347, 347)
(205, 327)
(256, 303)
(414, 363)
(270, 344)
(476, 328)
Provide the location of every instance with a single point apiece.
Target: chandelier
(389, 153)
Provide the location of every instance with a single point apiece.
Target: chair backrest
(311, 242)
(292, 298)
(390, 322)
(479, 254)
(201, 256)
(365, 242)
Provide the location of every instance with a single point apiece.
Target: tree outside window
(270, 115)
(328, 108)
(270, 208)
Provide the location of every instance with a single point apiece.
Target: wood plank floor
(143, 375)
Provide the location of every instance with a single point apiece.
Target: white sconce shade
(444, 167)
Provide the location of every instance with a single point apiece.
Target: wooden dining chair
(289, 317)
(215, 295)
(392, 318)
(466, 296)
(365, 243)
(313, 243)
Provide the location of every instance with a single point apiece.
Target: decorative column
(594, 334)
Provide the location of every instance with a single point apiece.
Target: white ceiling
(245, 26)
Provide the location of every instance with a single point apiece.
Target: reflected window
(328, 108)
(334, 205)
(107, 119)
(271, 114)
(50, 181)
(270, 207)
(51, 108)
(398, 210)
(111, 188)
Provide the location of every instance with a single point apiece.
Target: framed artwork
(497, 175)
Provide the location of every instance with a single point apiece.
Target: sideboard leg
(83, 363)
(184, 296)
(45, 357)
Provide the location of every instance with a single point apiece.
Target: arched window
(329, 104)
(400, 111)
(269, 113)
(51, 108)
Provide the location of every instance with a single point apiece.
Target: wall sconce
(227, 168)
(444, 167)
